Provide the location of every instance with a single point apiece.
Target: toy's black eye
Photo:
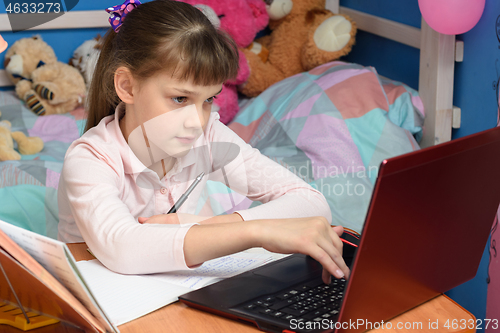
(268, 2)
(221, 16)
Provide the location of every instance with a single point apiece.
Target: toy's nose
(278, 9)
(15, 65)
(210, 14)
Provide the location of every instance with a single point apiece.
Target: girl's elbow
(116, 260)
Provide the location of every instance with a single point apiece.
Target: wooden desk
(177, 317)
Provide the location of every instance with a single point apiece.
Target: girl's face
(170, 114)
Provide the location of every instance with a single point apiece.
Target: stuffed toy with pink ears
(3, 44)
(242, 20)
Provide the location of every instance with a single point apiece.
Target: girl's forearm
(208, 241)
(312, 236)
(228, 218)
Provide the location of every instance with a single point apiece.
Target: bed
(299, 122)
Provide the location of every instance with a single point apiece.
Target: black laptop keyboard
(311, 301)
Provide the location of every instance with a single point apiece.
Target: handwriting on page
(215, 270)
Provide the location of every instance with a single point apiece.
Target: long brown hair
(157, 36)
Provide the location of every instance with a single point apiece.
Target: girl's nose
(194, 117)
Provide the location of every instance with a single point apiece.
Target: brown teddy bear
(304, 35)
(46, 85)
(26, 145)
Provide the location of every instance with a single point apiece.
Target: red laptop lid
(426, 228)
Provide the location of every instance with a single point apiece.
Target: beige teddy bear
(26, 145)
(46, 85)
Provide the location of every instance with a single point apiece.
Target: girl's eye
(179, 100)
(211, 99)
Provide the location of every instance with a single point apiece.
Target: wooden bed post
(437, 65)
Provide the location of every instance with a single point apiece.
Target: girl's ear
(124, 83)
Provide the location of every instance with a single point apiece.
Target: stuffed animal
(85, 58)
(46, 85)
(242, 20)
(3, 44)
(303, 35)
(25, 145)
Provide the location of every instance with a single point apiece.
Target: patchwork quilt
(333, 126)
(28, 187)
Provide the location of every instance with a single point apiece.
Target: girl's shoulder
(102, 141)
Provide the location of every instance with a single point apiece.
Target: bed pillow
(333, 126)
(28, 187)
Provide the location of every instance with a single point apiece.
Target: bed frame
(438, 54)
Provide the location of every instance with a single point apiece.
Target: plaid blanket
(333, 126)
(28, 187)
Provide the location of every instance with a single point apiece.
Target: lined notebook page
(127, 297)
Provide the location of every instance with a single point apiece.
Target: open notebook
(47, 279)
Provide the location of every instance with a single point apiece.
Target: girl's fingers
(143, 219)
(326, 276)
(334, 235)
(335, 255)
(339, 230)
(328, 263)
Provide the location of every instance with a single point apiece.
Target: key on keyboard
(312, 301)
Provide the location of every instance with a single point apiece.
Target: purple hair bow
(119, 12)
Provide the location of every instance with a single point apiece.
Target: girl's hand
(311, 236)
(160, 219)
(174, 218)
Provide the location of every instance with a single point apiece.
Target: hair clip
(119, 12)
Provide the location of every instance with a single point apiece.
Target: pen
(347, 242)
(183, 197)
(349, 232)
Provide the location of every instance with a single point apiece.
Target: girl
(150, 108)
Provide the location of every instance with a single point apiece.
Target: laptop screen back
(426, 227)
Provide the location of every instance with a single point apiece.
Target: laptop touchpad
(288, 270)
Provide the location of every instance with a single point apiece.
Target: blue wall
(474, 92)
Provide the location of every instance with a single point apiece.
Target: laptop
(425, 231)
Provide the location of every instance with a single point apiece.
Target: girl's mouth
(185, 139)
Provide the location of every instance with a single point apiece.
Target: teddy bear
(242, 20)
(3, 44)
(47, 85)
(25, 145)
(85, 58)
(303, 35)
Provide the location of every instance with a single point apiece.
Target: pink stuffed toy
(242, 20)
